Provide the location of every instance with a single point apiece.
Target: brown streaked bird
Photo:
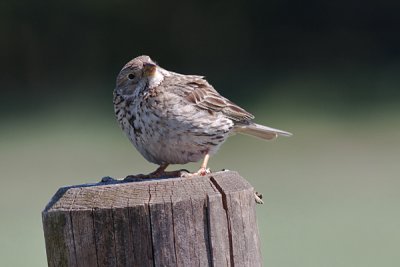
(173, 118)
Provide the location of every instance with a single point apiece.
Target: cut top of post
(152, 191)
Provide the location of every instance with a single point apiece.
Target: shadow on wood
(199, 221)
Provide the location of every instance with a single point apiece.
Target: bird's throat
(155, 79)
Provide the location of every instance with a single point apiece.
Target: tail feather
(261, 131)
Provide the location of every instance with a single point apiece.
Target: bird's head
(139, 73)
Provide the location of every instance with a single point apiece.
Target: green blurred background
(328, 71)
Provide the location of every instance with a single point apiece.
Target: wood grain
(199, 221)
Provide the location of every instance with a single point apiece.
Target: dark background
(347, 52)
(328, 71)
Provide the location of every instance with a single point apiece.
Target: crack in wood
(225, 205)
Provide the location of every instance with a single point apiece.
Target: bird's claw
(201, 172)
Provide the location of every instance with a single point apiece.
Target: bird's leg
(156, 174)
(159, 172)
(203, 169)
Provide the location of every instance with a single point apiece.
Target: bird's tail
(260, 131)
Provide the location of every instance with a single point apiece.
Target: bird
(173, 118)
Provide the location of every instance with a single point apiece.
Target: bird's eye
(131, 76)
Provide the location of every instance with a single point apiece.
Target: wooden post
(199, 221)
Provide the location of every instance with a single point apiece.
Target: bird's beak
(149, 69)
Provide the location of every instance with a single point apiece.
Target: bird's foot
(201, 172)
(258, 198)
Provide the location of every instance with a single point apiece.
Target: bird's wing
(206, 97)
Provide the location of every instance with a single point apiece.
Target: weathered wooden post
(200, 221)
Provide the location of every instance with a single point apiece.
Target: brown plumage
(175, 119)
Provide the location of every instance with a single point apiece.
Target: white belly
(178, 139)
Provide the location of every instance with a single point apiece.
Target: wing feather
(206, 97)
